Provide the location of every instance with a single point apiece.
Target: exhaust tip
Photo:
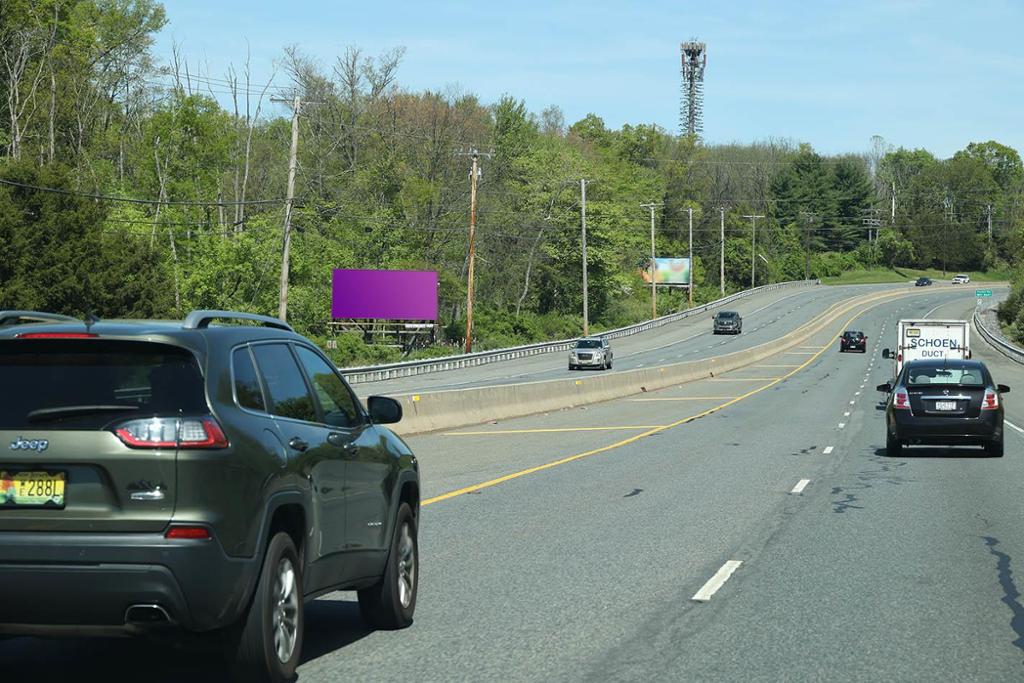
(147, 615)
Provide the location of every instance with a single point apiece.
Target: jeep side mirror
(886, 353)
(384, 410)
(884, 387)
(1003, 389)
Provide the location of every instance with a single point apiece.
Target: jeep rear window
(84, 384)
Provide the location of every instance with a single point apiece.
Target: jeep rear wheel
(893, 447)
(268, 641)
(994, 448)
(390, 603)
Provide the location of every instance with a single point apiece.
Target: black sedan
(923, 282)
(852, 340)
(944, 402)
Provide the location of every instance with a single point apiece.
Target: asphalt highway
(766, 316)
(572, 545)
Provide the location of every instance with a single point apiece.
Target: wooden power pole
(753, 245)
(474, 176)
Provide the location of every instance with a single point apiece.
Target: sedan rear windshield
(88, 384)
(960, 376)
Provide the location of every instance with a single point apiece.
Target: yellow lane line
(550, 430)
(637, 437)
(742, 379)
(682, 398)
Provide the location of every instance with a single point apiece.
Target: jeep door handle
(298, 444)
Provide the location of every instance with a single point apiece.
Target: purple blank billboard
(384, 294)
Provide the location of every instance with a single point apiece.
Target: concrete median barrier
(433, 411)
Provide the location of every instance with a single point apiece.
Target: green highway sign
(982, 293)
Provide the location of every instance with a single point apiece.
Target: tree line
(131, 187)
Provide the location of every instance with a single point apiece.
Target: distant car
(923, 282)
(944, 402)
(961, 279)
(591, 352)
(727, 322)
(853, 340)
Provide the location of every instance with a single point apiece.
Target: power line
(130, 200)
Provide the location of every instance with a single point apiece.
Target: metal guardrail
(1014, 353)
(376, 373)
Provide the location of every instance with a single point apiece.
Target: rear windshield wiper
(43, 414)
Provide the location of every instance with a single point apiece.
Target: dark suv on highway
(195, 477)
(727, 322)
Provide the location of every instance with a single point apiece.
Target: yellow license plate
(32, 488)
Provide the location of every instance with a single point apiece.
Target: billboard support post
(654, 279)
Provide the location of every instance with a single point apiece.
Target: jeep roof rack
(199, 320)
(8, 318)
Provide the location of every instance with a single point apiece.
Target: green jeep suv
(195, 477)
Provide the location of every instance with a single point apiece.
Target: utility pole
(753, 245)
(583, 229)
(654, 269)
(721, 244)
(892, 218)
(988, 211)
(282, 299)
(690, 242)
(948, 204)
(474, 176)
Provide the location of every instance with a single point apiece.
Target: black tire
(571, 368)
(609, 364)
(252, 646)
(994, 448)
(388, 604)
(893, 447)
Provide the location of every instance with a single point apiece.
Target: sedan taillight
(991, 400)
(901, 400)
(172, 432)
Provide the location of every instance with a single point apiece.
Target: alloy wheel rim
(406, 566)
(286, 610)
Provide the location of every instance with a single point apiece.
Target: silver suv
(591, 352)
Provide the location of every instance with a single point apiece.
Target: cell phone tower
(691, 111)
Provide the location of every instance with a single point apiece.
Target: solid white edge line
(716, 581)
(800, 486)
(828, 449)
(1013, 426)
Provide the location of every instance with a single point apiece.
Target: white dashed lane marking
(828, 449)
(716, 581)
(800, 486)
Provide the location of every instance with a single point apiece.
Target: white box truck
(922, 339)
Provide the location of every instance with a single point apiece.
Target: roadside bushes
(1011, 311)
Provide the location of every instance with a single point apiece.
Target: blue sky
(919, 73)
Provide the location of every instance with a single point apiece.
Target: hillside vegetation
(130, 187)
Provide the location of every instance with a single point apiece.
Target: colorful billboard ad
(384, 294)
(669, 271)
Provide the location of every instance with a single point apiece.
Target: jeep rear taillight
(172, 432)
(991, 400)
(901, 400)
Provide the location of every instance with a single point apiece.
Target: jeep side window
(289, 396)
(335, 399)
(247, 382)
